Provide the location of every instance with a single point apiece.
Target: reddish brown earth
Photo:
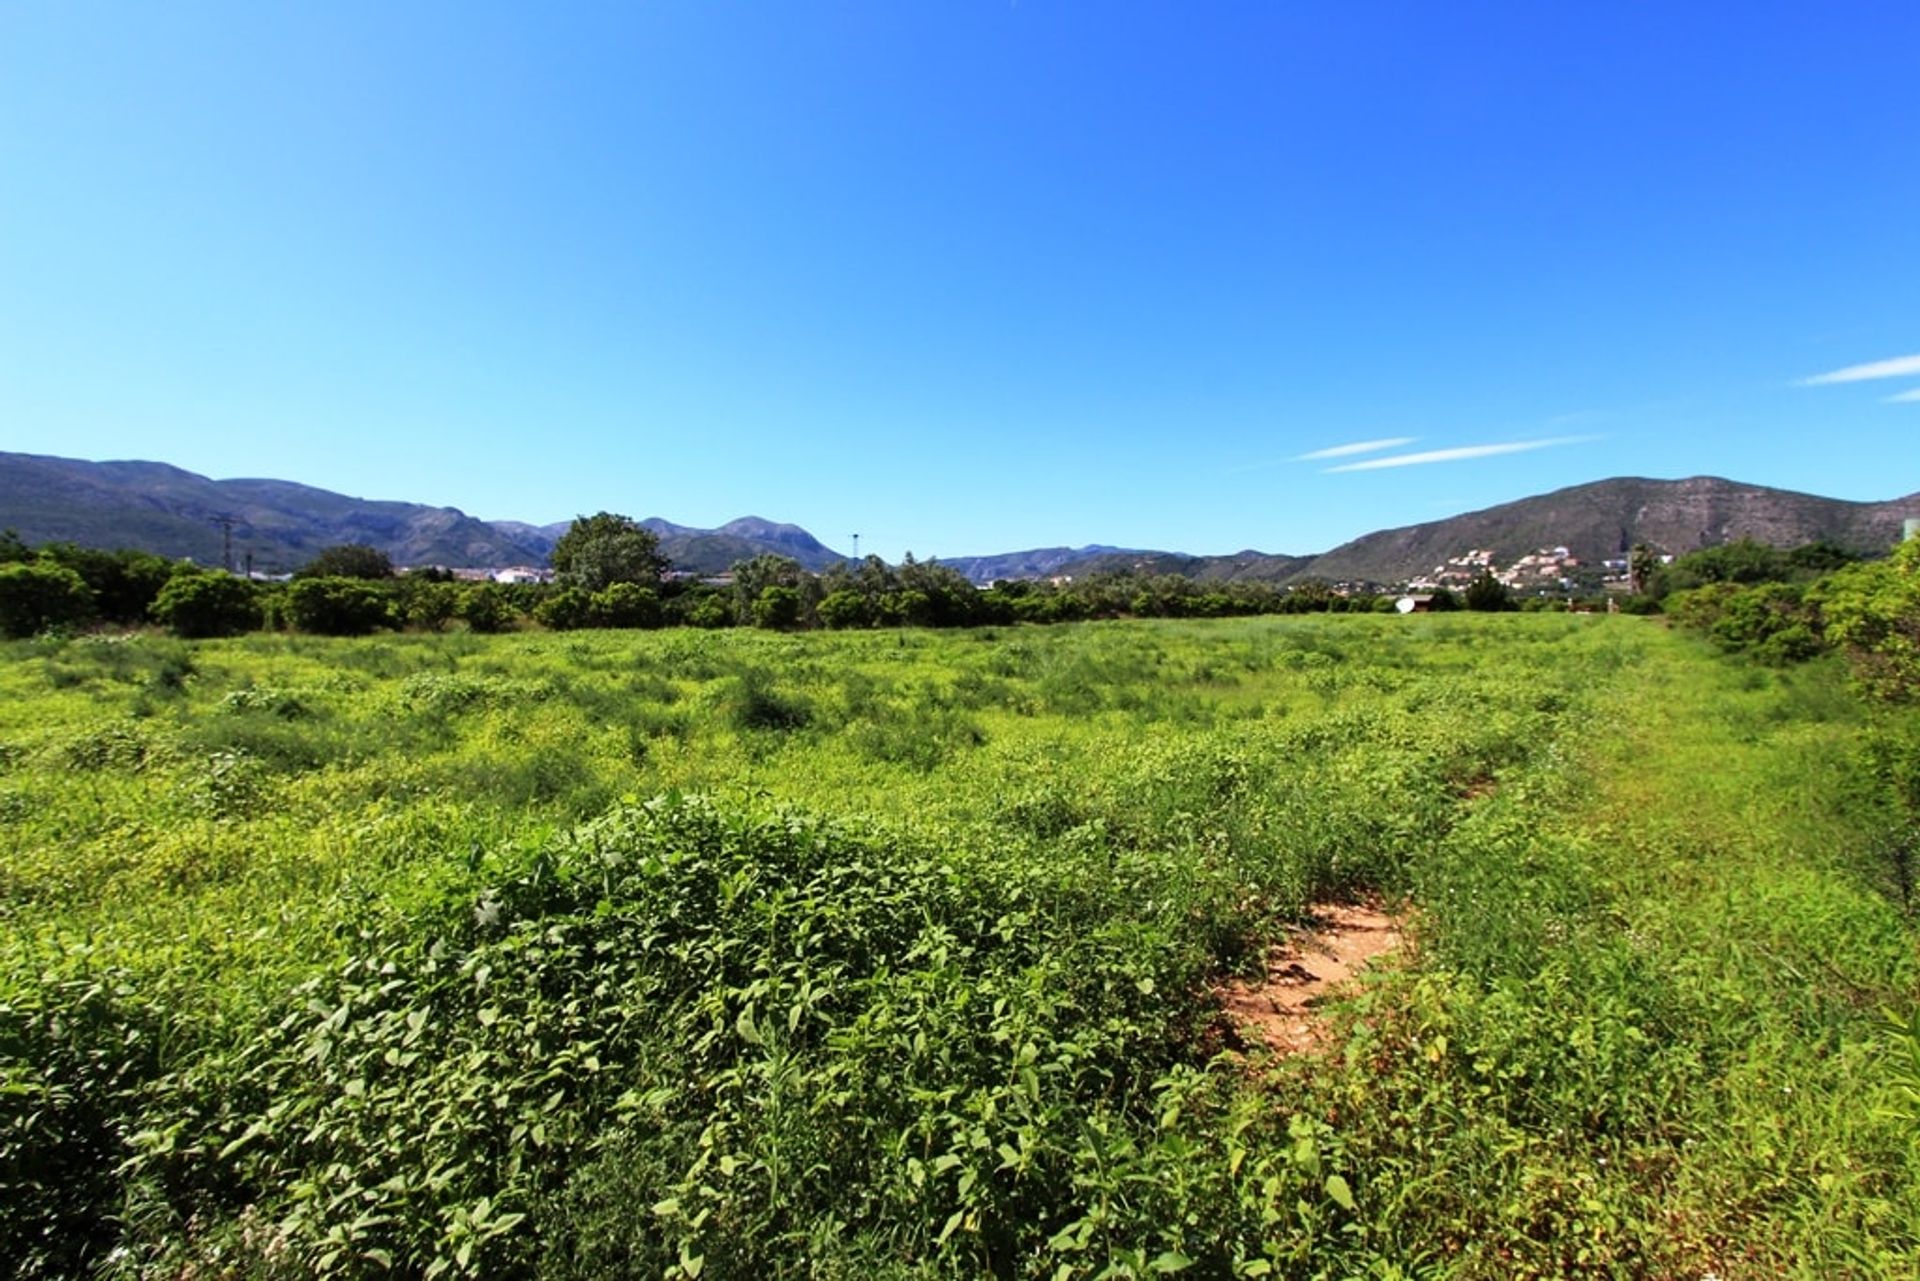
(1280, 1010)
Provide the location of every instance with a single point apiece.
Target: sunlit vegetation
(896, 953)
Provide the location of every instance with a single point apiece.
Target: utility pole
(226, 522)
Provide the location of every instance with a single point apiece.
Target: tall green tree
(1642, 564)
(348, 560)
(752, 578)
(1487, 594)
(934, 595)
(600, 550)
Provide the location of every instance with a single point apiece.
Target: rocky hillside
(1605, 518)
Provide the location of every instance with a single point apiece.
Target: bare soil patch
(1281, 1010)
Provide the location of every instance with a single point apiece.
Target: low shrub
(339, 606)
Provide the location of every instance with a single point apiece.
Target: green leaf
(1342, 1194)
(253, 1132)
(1169, 1262)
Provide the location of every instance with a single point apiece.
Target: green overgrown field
(895, 954)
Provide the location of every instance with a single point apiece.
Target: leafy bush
(283, 703)
(200, 605)
(486, 607)
(117, 746)
(428, 603)
(124, 583)
(38, 596)
(626, 605)
(1872, 612)
(565, 609)
(75, 1054)
(339, 606)
(777, 608)
(617, 605)
(844, 609)
(1772, 622)
(709, 611)
(1701, 607)
(232, 784)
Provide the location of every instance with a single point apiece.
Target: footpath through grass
(893, 955)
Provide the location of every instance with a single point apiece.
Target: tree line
(609, 571)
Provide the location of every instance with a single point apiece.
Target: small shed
(1415, 603)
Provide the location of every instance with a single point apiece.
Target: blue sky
(967, 277)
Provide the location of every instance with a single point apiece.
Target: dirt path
(1280, 1010)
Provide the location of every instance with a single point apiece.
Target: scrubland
(898, 954)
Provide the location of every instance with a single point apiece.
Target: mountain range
(282, 525)
(279, 525)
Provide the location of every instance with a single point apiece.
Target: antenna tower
(225, 522)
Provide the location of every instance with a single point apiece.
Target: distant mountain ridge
(1040, 562)
(1605, 518)
(713, 551)
(171, 511)
(282, 524)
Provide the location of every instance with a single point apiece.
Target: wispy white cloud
(1903, 398)
(1460, 453)
(1332, 451)
(1357, 447)
(1898, 367)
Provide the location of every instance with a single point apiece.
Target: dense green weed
(340, 957)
